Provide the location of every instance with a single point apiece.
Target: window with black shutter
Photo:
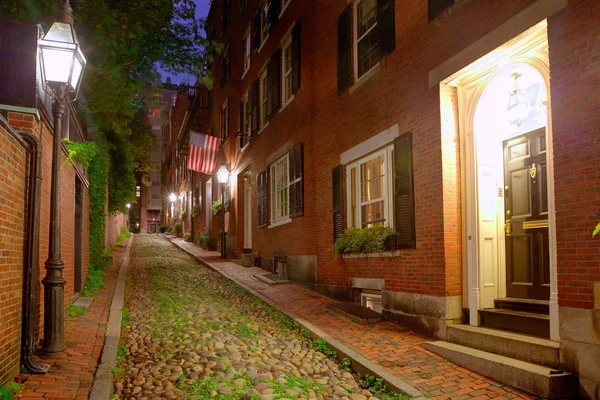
(254, 101)
(262, 185)
(343, 55)
(296, 191)
(241, 136)
(274, 11)
(404, 204)
(225, 15)
(273, 84)
(337, 177)
(386, 26)
(242, 5)
(436, 7)
(256, 42)
(296, 57)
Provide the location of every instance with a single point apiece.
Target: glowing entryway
(507, 175)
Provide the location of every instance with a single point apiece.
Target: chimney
(168, 80)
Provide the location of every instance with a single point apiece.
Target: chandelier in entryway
(518, 107)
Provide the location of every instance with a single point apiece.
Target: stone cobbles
(190, 333)
(389, 345)
(71, 375)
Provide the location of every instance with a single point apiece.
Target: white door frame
(530, 49)
(247, 214)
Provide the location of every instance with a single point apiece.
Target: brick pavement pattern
(395, 348)
(71, 375)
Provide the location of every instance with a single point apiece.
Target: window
(242, 5)
(370, 190)
(284, 4)
(224, 133)
(279, 190)
(247, 49)
(287, 71)
(225, 66)
(263, 99)
(245, 131)
(264, 22)
(226, 14)
(367, 38)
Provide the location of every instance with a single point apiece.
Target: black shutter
(228, 63)
(241, 133)
(386, 26)
(337, 178)
(296, 57)
(296, 185)
(256, 31)
(223, 79)
(436, 7)
(255, 117)
(273, 83)
(262, 198)
(343, 67)
(404, 192)
(274, 11)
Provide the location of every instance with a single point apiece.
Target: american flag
(203, 153)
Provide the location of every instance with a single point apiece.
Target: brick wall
(13, 217)
(574, 39)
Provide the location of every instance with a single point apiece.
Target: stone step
(532, 378)
(514, 345)
(529, 323)
(535, 306)
(238, 261)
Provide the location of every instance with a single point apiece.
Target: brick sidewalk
(395, 348)
(71, 375)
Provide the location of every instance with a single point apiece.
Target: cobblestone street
(190, 333)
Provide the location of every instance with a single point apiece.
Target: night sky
(201, 11)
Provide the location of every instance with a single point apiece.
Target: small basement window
(371, 301)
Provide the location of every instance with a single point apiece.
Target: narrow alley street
(190, 333)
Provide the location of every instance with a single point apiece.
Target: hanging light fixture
(518, 108)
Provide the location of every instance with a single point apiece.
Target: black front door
(526, 216)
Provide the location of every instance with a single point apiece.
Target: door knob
(533, 171)
(507, 227)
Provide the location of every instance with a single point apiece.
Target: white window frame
(224, 120)
(284, 5)
(356, 39)
(247, 43)
(276, 216)
(285, 100)
(388, 190)
(263, 99)
(264, 23)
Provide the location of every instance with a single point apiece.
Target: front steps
(529, 317)
(541, 381)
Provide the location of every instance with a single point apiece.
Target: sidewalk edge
(103, 379)
(359, 363)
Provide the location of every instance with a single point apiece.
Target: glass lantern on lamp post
(62, 65)
(223, 178)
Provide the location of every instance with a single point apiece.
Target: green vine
(81, 152)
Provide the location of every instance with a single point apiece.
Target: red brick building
(470, 127)
(25, 107)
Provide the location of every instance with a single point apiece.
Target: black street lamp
(223, 177)
(62, 64)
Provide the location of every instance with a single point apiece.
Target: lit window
(137, 191)
(287, 71)
(370, 190)
(247, 51)
(263, 99)
(279, 190)
(367, 35)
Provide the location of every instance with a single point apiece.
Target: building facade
(26, 109)
(470, 127)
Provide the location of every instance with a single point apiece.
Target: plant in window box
(196, 209)
(217, 206)
(182, 214)
(365, 240)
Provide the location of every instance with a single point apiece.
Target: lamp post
(128, 205)
(172, 199)
(62, 64)
(223, 177)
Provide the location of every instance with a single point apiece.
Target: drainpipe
(29, 361)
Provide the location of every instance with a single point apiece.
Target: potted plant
(196, 209)
(182, 214)
(217, 206)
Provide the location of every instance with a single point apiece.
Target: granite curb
(103, 379)
(359, 362)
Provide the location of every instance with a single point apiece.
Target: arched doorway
(507, 177)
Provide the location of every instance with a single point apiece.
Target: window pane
(368, 52)
(372, 214)
(353, 195)
(372, 175)
(367, 17)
